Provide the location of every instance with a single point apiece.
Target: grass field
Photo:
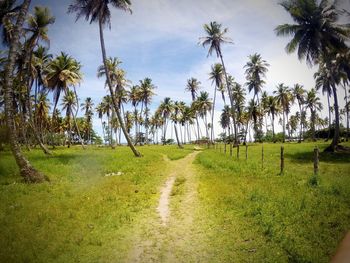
(247, 213)
(257, 215)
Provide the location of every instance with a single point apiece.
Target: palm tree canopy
(217, 75)
(193, 85)
(95, 10)
(37, 24)
(256, 69)
(316, 29)
(215, 37)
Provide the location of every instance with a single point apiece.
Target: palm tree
(146, 93)
(217, 77)
(193, 85)
(98, 11)
(225, 119)
(283, 97)
(69, 105)
(317, 33)
(8, 16)
(26, 169)
(238, 94)
(175, 118)
(165, 109)
(313, 103)
(215, 37)
(100, 112)
(298, 93)
(256, 69)
(87, 107)
(112, 66)
(42, 113)
(272, 110)
(204, 105)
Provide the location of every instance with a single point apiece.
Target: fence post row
(282, 159)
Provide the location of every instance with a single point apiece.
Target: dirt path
(169, 234)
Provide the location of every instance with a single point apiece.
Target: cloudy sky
(160, 40)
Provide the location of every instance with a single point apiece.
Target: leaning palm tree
(298, 92)
(283, 97)
(98, 11)
(214, 39)
(26, 169)
(316, 33)
(217, 77)
(193, 85)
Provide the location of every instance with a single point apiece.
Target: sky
(160, 40)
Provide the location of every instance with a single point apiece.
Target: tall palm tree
(193, 85)
(26, 169)
(316, 33)
(100, 112)
(283, 97)
(69, 105)
(98, 11)
(217, 77)
(175, 118)
(225, 119)
(42, 113)
(146, 93)
(87, 107)
(165, 109)
(313, 103)
(204, 105)
(256, 69)
(214, 39)
(298, 92)
(272, 110)
(238, 94)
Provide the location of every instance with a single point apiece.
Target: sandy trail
(168, 233)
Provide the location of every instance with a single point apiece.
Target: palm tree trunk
(301, 123)
(177, 136)
(335, 140)
(347, 113)
(329, 118)
(229, 94)
(104, 56)
(75, 116)
(284, 126)
(27, 171)
(212, 117)
(273, 127)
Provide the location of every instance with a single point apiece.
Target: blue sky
(159, 40)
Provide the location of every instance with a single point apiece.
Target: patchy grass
(254, 214)
(80, 215)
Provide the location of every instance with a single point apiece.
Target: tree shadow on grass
(328, 157)
(60, 158)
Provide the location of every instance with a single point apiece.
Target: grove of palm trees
(202, 131)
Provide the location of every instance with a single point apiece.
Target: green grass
(80, 215)
(254, 214)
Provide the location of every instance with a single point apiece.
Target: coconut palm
(87, 107)
(272, 110)
(204, 105)
(42, 114)
(177, 107)
(217, 77)
(8, 15)
(316, 33)
(256, 69)
(69, 105)
(26, 169)
(100, 112)
(313, 103)
(165, 109)
(214, 39)
(146, 93)
(225, 119)
(238, 94)
(98, 11)
(193, 85)
(283, 97)
(298, 93)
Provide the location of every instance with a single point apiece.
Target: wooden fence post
(282, 159)
(316, 160)
(225, 147)
(237, 151)
(231, 149)
(246, 152)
